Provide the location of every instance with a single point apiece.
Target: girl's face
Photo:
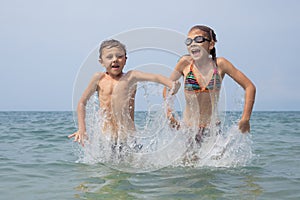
(114, 60)
(199, 49)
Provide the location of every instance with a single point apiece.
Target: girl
(203, 73)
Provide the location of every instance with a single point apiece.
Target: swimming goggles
(197, 39)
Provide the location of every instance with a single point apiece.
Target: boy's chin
(115, 73)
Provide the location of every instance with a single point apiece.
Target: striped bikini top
(191, 84)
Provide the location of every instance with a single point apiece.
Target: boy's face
(114, 60)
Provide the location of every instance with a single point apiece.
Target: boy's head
(112, 56)
(110, 44)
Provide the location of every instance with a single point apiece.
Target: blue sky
(44, 43)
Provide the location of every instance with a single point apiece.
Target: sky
(44, 44)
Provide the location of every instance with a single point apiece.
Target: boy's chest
(118, 88)
(106, 87)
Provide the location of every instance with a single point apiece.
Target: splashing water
(156, 145)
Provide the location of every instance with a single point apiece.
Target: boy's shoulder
(130, 73)
(98, 76)
(133, 75)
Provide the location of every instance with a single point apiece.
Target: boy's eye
(109, 57)
(119, 56)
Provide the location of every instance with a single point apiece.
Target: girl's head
(207, 39)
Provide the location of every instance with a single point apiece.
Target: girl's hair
(210, 34)
(110, 44)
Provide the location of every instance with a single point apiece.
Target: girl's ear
(211, 45)
(100, 60)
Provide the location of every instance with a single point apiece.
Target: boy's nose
(115, 59)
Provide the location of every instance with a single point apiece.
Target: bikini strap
(215, 70)
(192, 66)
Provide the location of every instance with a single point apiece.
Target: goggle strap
(211, 38)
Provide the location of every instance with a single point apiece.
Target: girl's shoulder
(223, 63)
(183, 62)
(225, 66)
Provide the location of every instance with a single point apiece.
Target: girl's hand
(175, 87)
(79, 136)
(173, 122)
(244, 126)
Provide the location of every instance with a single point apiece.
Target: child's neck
(200, 63)
(115, 77)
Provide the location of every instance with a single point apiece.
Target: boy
(116, 92)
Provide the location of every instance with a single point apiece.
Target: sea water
(38, 161)
(155, 144)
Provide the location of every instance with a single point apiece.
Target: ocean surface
(39, 162)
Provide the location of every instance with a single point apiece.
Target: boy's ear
(100, 60)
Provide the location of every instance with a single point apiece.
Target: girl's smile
(195, 51)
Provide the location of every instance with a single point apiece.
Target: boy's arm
(143, 76)
(172, 85)
(89, 91)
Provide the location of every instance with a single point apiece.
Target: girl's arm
(227, 68)
(175, 76)
(89, 91)
(178, 71)
(180, 66)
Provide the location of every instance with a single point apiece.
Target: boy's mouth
(115, 67)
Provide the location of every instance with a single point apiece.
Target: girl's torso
(201, 93)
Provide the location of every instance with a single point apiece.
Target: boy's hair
(110, 44)
(210, 33)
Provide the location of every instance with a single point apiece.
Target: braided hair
(210, 34)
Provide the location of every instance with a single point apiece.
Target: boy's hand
(79, 136)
